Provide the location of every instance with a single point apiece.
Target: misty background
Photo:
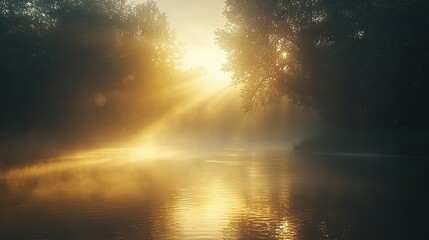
(79, 75)
(84, 74)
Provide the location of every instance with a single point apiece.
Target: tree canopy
(82, 68)
(358, 63)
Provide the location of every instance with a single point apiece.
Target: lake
(225, 194)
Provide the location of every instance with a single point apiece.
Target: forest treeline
(82, 71)
(360, 64)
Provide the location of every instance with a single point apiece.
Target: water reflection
(232, 194)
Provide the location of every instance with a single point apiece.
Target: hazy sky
(194, 22)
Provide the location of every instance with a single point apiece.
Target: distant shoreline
(358, 154)
(368, 143)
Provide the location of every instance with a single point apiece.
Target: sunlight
(213, 205)
(194, 24)
(88, 158)
(105, 173)
(284, 55)
(164, 129)
(210, 59)
(213, 119)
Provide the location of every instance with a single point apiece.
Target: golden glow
(106, 173)
(214, 197)
(284, 55)
(194, 23)
(205, 119)
(216, 205)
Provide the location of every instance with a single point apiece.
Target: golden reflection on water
(185, 197)
(152, 193)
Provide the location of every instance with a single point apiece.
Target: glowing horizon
(194, 23)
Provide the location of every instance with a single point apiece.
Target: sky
(194, 23)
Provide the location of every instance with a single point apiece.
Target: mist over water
(194, 173)
(198, 119)
(118, 122)
(202, 172)
(216, 120)
(224, 194)
(101, 92)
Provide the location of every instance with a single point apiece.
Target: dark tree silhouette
(360, 64)
(60, 55)
(82, 70)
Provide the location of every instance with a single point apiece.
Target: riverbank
(367, 143)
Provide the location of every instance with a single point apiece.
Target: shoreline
(359, 154)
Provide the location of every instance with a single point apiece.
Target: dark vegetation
(399, 143)
(362, 65)
(78, 72)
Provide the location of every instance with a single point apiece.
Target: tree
(358, 63)
(83, 69)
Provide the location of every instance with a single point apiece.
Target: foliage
(358, 63)
(82, 68)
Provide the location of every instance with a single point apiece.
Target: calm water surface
(229, 194)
